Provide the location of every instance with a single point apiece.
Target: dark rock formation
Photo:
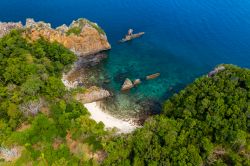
(89, 61)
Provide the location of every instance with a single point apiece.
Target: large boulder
(93, 94)
(127, 85)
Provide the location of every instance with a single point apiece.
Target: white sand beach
(98, 115)
(108, 120)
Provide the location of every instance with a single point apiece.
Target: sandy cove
(99, 115)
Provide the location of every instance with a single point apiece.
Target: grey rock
(30, 23)
(5, 28)
(216, 70)
(63, 28)
(93, 94)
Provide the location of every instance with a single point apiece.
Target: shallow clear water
(184, 38)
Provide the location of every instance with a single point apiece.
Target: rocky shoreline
(82, 36)
(93, 97)
(88, 41)
(120, 104)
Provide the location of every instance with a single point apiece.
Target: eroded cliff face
(82, 36)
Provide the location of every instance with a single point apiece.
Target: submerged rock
(127, 85)
(93, 94)
(120, 76)
(153, 76)
(149, 107)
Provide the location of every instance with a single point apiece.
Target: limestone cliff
(82, 36)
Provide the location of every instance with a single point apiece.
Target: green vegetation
(74, 30)
(99, 29)
(207, 123)
(37, 113)
(80, 23)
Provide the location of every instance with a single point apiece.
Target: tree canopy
(207, 123)
(37, 112)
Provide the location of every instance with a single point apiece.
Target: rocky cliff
(6, 27)
(81, 36)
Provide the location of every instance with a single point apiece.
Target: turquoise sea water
(184, 38)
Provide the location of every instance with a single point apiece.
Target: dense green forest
(207, 123)
(33, 96)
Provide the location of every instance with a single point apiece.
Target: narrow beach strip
(108, 120)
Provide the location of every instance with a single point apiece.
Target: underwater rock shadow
(173, 89)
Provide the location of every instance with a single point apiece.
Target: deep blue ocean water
(184, 38)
